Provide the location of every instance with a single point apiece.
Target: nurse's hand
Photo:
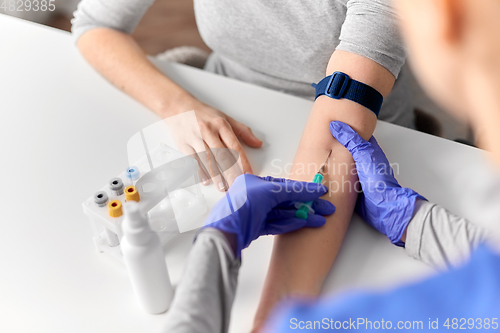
(256, 206)
(384, 204)
(219, 152)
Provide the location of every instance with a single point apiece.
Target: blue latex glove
(256, 206)
(384, 204)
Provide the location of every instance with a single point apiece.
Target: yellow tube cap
(131, 194)
(115, 208)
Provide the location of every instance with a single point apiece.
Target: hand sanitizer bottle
(145, 261)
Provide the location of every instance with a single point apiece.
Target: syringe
(305, 207)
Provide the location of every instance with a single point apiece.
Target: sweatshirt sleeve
(204, 297)
(114, 14)
(440, 238)
(371, 30)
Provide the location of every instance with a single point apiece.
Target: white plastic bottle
(145, 262)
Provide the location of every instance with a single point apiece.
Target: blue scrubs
(467, 298)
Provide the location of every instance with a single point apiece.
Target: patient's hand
(214, 139)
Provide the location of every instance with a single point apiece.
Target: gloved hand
(384, 204)
(256, 206)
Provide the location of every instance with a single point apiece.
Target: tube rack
(169, 194)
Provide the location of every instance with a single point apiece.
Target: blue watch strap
(340, 85)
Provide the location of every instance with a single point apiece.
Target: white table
(63, 134)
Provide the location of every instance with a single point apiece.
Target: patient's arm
(301, 260)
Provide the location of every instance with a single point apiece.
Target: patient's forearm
(301, 260)
(117, 57)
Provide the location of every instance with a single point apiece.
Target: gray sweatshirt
(282, 45)
(204, 297)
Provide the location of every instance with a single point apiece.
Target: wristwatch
(339, 85)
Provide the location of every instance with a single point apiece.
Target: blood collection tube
(100, 198)
(116, 186)
(115, 210)
(131, 194)
(132, 173)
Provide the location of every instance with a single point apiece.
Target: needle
(305, 207)
(322, 169)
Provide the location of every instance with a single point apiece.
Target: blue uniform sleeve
(466, 297)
